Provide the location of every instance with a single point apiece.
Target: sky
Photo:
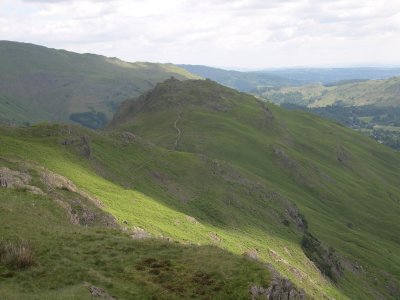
(237, 34)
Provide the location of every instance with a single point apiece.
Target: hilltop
(342, 183)
(42, 84)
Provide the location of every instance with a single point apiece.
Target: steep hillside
(242, 81)
(77, 235)
(198, 166)
(345, 186)
(42, 84)
(368, 106)
(353, 93)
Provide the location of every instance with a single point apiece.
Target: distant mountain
(242, 81)
(258, 81)
(42, 84)
(346, 93)
(332, 75)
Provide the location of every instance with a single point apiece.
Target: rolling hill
(334, 75)
(334, 176)
(258, 82)
(41, 84)
(214, 176)
(368, 106)
(346, 93)
(242, 81)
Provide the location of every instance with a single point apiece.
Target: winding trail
(178, 137)
(179, 132)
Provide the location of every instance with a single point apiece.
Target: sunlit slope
(186, 197)
(346, 185)
(78, 261)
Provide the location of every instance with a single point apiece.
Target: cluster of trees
(389, 138)
(368, 119)
(91, 119)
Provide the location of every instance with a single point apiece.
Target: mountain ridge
(240, 80)
(44, 84)
(258, 81)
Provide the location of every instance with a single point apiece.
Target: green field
(384, 92)
(381, 123)
(387, 128)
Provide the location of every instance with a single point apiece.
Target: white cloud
(237, 33)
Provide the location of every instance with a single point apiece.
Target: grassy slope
(345, 184)
(70, 258)
(376, 92)
(162, 213)
(48, 84)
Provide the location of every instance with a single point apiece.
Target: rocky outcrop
(214, 237)
(251, 254)
(138, 233)
(192, 220)
(17, 180)
(324, 257)
(55, 181)
(82, 145)
(85, 148)
(343, 156)
(290, 212)
(100, 293)
(268, 116)
(279, 289)
(293, 214)
(80, 207)
(127, 137)
(81, 212)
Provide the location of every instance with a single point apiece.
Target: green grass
(70, 258)
(335, 176)
(237, 170)
(162, 213)
(366, 119)
(19, 112)
(42, 84)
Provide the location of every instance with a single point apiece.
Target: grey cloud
(64, 1)
(210, 30)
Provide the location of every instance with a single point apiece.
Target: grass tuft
(17, 255)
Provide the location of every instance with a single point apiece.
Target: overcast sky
(229, 33)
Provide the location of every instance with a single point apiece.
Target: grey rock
(279, 289)
(100, 293)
